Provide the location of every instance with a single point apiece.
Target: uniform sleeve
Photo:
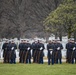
(66, 46)
(61, 46)
(30, 46)
(15, 46)
(3, 46)
(43, 46)
(19, 46)
(47, 47)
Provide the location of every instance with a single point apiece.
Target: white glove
(51, 52)
(12, 48)
(41, 48)
(28, 48)
(58, 48)
(50, 49)
(73, 48)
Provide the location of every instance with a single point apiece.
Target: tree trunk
(55, 35)
(75, 35)
(69, 34)
(60, 33)
(60, 36)
(46, 36)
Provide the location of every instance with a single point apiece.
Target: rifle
(21, 56)
(56, 56)
(10, 52)
(58, 49)
(6, 57)
(34, 55)
(67, 58)
(26, 54)
(39, 55)
(4, 54)
(72, 55)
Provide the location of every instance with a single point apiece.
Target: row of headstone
(64, 41)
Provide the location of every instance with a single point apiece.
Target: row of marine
(35, 51)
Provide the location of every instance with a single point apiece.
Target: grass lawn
(37, 69)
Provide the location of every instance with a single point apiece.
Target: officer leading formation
(35, 51)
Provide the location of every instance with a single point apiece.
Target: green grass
(37, 69)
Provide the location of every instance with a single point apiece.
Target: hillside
(24, 18)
